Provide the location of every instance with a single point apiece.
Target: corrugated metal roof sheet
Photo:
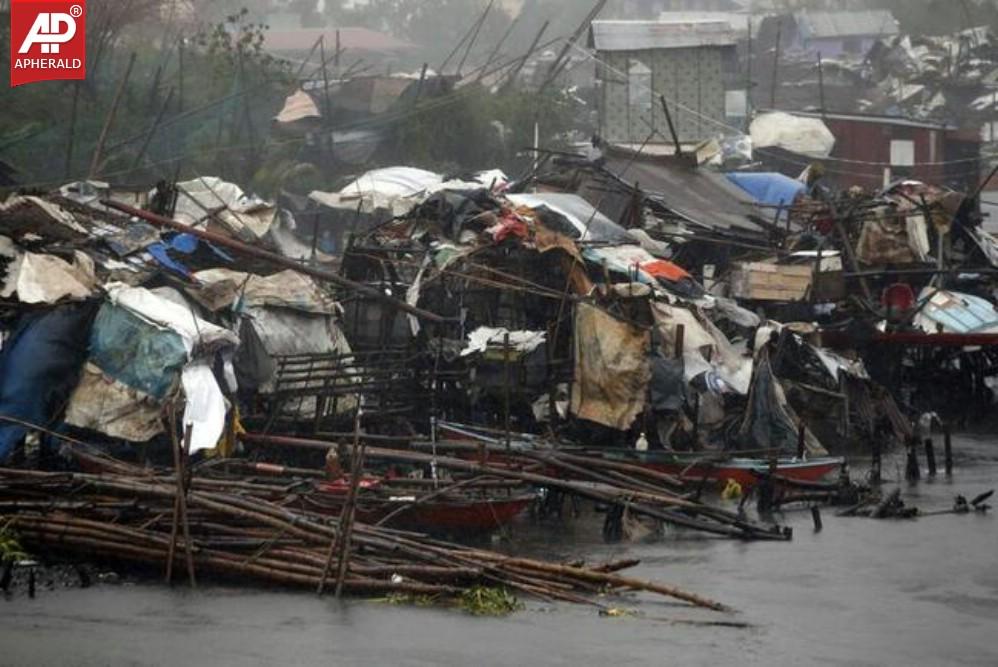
(825, 25)
(641, 35)
(703, 197)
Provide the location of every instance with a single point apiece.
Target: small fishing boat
(452, 512)
(716, 467)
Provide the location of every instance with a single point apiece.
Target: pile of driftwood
(239, 528)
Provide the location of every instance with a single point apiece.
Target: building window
(639, 85)
(902, 158)
(902, 153)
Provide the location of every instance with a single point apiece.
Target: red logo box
(48, 40)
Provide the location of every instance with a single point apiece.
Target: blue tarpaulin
(770, 188)
(185, 244)
(136, 353)
(40, 366)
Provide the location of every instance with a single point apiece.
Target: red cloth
(510, 226)
(662, 268)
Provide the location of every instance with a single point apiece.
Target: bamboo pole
(95, 161)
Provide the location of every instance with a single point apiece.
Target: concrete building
(689, 63)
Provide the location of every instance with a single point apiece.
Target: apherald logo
(48, 40)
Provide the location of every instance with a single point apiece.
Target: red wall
(870, 142)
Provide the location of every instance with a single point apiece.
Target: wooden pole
(776, 65)
(326, 120)
(339, 52)
(474, 35)
(672, 127)
(180, 76)
(350, 509)
(181, 475)
(495, 49)
(506, 389)
(152, 131)
(821, 86)
(109, 119)
(71, 137)
(422, 82)
(559, 61)
(180, 502)
(930, 456)
(947, 449)
(515, 72)
(748, 76)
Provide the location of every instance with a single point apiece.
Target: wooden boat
(716, 467)
(457, 512)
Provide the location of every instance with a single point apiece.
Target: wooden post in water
(930, 456)
(816, 517)
(180, 504)
(947, 449)
(912, 473)
(875, 462)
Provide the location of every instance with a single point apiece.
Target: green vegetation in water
(484, 601)
(478, 601)
(414, 600)
(10, 547)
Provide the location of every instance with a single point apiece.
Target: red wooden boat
(695, 466)
(716, 467)
(461, 513)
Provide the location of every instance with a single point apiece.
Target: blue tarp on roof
(770, 188)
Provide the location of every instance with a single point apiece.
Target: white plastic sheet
(797, 134)
(205, 410)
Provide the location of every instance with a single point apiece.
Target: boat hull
(746, 472)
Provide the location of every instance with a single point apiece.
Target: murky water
(861, 592)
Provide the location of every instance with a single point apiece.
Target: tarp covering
(37, 278)
(770, 422)
(890, 239)
(139, 345)
(222, 288)
(955, 312)
(197, 334)
(298, 106)
(132, 367)
(519, 341)
(246, 216)
(587, 223)
(39, 367)
(806, 136)
(282, 331)
(612, 368)
(701, 339)
(770, 188)
(205, 405)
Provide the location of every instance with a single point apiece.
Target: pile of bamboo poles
(643, 492)
(234, 528)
